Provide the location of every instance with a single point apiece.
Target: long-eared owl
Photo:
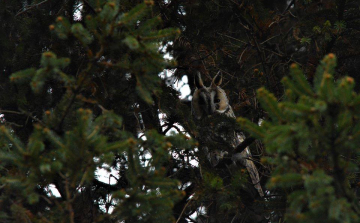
(216, 136)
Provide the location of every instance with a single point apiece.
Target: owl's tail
(254, 175)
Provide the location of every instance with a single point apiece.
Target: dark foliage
(80, 91)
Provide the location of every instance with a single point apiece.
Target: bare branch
(27, 8)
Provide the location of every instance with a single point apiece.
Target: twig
(269, 39)
(244, 144)
(170, 126)
(31, 7)
(68, 199)
(21, 112)
(262, 56)
(72, 100)
(182, 212)
(11, 112)
(33, 117)
(204, 57)
(13, 124)
(232, 38)
(239, 61)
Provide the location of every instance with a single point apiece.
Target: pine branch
(72, 100)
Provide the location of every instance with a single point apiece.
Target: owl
(209, 106)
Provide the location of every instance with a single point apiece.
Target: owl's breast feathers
(217, 135)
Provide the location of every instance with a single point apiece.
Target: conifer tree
(80, 91)
(312, 138)
(76, 128)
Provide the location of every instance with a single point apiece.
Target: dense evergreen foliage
(312, 138)
(85, 85)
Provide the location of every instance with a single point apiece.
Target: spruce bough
(312, 141)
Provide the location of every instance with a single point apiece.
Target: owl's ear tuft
(198, 81)
(217, 80)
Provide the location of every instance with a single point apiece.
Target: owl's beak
(211, 112)
(212, 109)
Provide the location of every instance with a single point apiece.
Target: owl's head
(207, 101)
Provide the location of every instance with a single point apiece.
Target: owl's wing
(253, 172)
(245, 159)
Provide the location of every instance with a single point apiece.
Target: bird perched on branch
(217, 138)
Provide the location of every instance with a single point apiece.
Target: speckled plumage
(218, 139)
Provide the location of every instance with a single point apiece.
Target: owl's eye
(217, 100)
